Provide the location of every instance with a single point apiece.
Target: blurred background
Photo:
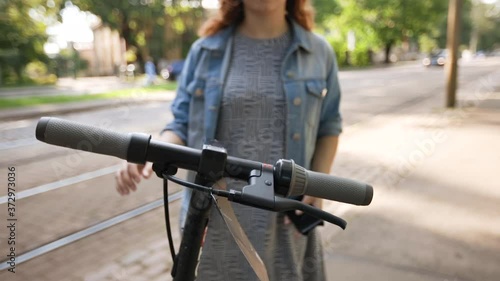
(45, 40)
(114, 64)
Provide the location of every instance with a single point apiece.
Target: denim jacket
(309, 75)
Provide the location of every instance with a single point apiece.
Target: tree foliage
(142, 23)
(383, 23)
(324, 11)
(22, 28)
(394, 21)
(133, 19)
(485, 25)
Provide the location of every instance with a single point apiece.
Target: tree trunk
(474, 40)
(125, 32)
(19, 73)
(452, 42)
(141, 60)
(388, 47)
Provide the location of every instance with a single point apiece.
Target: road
(55, 211)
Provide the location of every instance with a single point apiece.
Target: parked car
(436, 58)
(172, 70)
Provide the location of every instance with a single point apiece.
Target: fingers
(123, 182)
(221, 184)
(128, 176)
(287, 220)
(120, 187)
(319, 203)
(132, 174)
(146, 170)
(309, 200)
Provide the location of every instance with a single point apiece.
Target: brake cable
(167, 218)
(166, 178)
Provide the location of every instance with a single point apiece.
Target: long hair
(231, 13)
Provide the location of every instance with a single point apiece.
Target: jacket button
(198, 92)
(296, 137)
(324, 92)
(297, 101)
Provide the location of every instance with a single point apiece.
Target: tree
(141, 23)
(399, 20)
(324, 11)
(479, 27)
(133, 19)
(485, 19)
(440, 35)
(348, 19)
(22, 26)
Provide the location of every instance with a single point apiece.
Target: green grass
(6, 103)
(170, 86)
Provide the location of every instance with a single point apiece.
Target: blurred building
(105, 54)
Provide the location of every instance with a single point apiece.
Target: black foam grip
(82, 137)
(338, 189)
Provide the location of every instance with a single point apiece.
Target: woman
(262, 84)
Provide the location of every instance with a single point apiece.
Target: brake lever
(280, 204)
(260, 193)
(285, 204)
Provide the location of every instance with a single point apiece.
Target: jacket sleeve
(330, 118)
(180, 105)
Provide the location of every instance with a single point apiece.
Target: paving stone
(133, 269)
(155, 270)
(138, 278)
(163, 277)
(134, 257)
(104, 272)
(159, 244)
(156, 257)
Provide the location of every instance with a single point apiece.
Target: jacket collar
(218, 41)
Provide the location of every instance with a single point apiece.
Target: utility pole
(452, 41)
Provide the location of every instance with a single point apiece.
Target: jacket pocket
(314, 99)
(315, 89)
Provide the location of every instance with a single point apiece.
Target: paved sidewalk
(435, 212)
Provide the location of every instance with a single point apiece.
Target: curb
(73, 107)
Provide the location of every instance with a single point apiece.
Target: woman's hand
(326, 148)
(313, 201)
(309, 200)
(130, 175)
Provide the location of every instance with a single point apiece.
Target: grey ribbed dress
(252, 125)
